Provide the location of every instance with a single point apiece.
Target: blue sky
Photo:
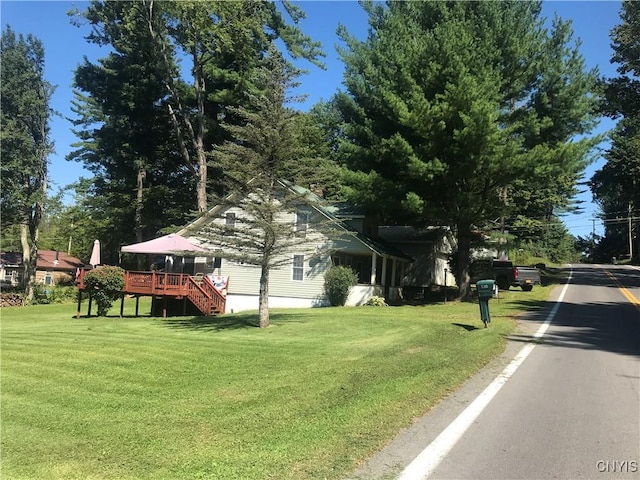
(65, 49)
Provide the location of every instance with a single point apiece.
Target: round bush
(376, 301)
(337, 283)
(105, 284)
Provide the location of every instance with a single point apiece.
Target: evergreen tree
(616, 186)
(126, 137)
(25, 143)
(451, 106)
(561, 109)
(145, 132)
(224, 42)
(264, 164)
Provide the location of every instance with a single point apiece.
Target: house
(431, 248)
(11, 269)
(378, 265)
(52, 268)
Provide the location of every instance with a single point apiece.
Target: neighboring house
(430, 247)
(52, 268)
(379, 265)
(11, 269)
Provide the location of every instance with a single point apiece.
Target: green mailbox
(486, 289)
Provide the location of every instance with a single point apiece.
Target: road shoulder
(397, 454)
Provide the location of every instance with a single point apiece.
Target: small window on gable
(297, 272)
(230, 220)
(302, 223)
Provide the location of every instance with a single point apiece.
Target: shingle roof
(46, 260)
(400, 233)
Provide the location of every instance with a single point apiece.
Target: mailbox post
(486, 290)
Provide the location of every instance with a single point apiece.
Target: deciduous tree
(25, 142)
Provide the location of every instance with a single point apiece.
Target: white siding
(244, 279)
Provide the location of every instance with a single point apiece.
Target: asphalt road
(571, 410)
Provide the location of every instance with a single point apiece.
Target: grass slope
(217, 398)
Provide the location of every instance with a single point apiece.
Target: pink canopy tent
(171, 244)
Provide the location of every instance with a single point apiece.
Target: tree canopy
(150, 112)
(264, 166)
(461, 113)
(616, 186)
(24, 134)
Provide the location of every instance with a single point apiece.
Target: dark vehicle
(505, 274)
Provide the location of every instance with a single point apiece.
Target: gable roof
(404, 233)
(47, 260)
(336, 212)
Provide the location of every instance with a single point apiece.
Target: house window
(230, 220)
(302, 223)
(297, 272)
(48, 278)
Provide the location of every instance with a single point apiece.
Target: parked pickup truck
(505, 274)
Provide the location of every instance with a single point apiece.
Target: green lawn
(218, 398)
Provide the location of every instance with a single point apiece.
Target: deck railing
(201, 292)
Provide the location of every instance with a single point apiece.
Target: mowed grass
(217, 398)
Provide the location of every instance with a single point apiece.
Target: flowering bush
(376, 302)
(105, 284)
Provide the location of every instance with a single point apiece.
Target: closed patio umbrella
(95, 254)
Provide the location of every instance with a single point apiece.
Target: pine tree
(224, 42)
(450, 104)
(616, 186)
(126, 137)
(264, 165)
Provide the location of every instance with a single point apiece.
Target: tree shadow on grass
(215, 323)
(235, 321)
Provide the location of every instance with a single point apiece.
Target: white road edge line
(429, 459)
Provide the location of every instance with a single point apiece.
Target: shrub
(40, 294)
(105, 284)
(56, 294)
(376, 301)
(63, 294)
(337, 283)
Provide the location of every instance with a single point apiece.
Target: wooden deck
(200, 291)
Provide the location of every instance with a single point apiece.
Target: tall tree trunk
(27, 271)
(464, 252)
(200, 89)
(29, 230)
(263, 309)
(29, 243)
(142, 174)
(197, 139)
